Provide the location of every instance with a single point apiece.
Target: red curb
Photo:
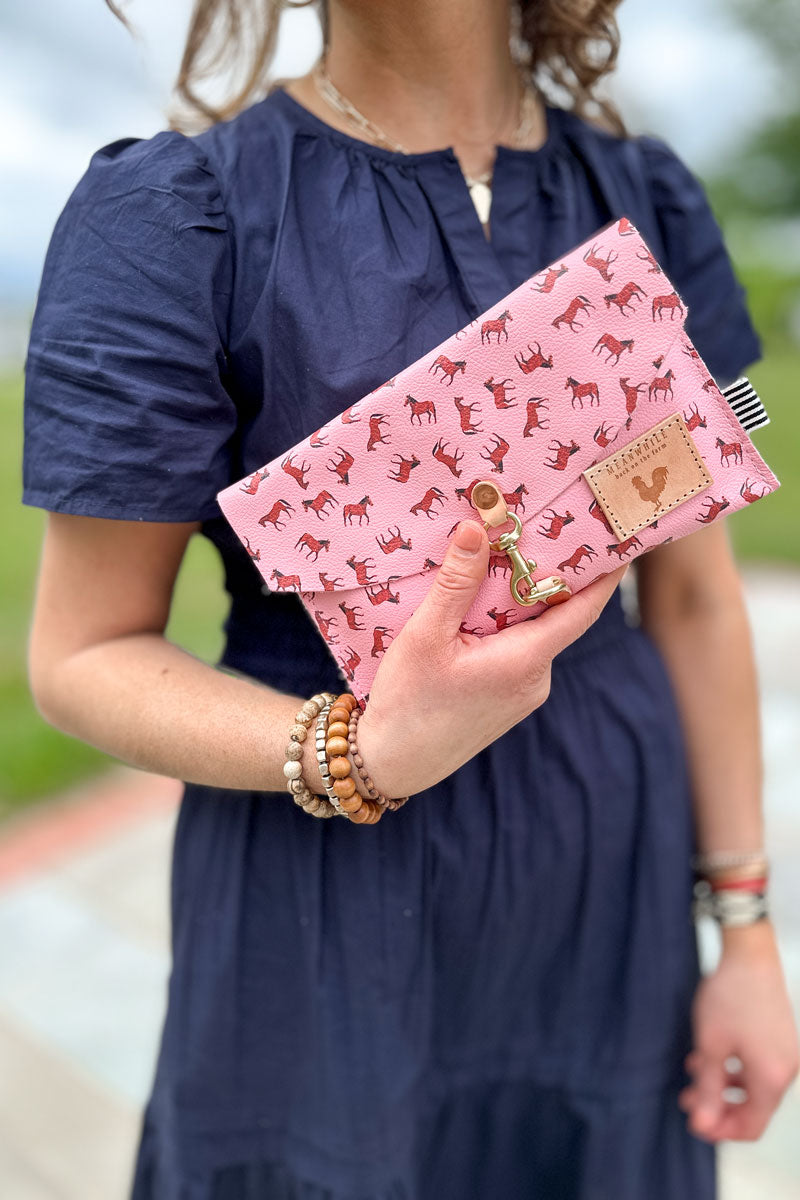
(56, 829)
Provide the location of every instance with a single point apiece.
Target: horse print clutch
(575, 418)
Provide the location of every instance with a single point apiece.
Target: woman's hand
(441, 695)
(741, 1011)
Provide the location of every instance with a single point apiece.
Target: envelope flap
(528, 394)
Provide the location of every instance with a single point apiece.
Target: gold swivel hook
(490, 503)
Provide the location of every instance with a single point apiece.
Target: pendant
(481, 195)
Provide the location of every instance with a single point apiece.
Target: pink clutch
(576, 411)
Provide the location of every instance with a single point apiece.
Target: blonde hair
(568, 44)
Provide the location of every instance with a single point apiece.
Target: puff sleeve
(126, 409)
(698, 263)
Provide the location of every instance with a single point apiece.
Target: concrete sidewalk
(84, 888)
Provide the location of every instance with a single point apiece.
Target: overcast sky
(72, 79)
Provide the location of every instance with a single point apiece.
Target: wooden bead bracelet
(337, 797)
(339, 737)
(382, 800)
(333, 752)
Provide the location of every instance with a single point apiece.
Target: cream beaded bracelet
(310, 802)
(719, 860)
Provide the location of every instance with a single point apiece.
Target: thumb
(455, 586)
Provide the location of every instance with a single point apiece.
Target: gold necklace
(480, 187)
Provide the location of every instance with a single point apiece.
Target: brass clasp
(491, 505)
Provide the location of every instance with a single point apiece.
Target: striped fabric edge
(746, 404)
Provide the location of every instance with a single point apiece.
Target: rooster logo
(653, 490)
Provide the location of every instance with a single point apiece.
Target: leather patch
(654, 473)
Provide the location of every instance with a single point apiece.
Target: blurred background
(84, 842)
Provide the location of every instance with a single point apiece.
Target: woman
(495, 992)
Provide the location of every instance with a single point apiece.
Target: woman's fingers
(763, 1087)
(703, 1100)
(436, 622)
(546, 635)
(712, 1111)
(436, 686)
(522, 652)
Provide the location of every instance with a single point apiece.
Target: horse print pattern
(582, 358)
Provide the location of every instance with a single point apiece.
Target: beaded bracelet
(757, 884)
(335, 735)
(337, 765)
(339, 737)
(718, 860)
(729, 906)
(310, 802)
(353, 806)
(341, 800)
(383, 801)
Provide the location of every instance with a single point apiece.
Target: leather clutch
(575, 418)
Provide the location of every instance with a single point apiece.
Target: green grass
(36, 760)
(769, 530)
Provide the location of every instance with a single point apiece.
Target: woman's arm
(101, 669)
(691, 604)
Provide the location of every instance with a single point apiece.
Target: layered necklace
(480, 186)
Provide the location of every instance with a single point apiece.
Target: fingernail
(467, 538)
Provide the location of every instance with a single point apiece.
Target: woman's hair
(569, 44)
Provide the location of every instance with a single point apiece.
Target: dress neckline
(489, 266)
(298, 111)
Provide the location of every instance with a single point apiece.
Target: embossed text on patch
(654, 473)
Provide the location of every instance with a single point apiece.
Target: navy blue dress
(486, 995)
